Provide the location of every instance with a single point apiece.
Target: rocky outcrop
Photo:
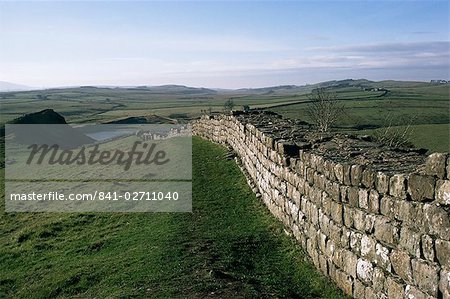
(47, 127)
(46, 116)
(374, 219)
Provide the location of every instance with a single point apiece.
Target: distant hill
(302, 89)
(273, 90)
(177, 89)
(146, 92)
(344, 83)
(8, 86)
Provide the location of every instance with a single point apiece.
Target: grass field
(229, 247)
(435, 137)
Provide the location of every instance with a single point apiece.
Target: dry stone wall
(373, 219)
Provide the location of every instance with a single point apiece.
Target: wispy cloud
(398, 54)
(410, 47)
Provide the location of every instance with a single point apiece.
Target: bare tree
(395, 133)
(229, 105)
(325, 109)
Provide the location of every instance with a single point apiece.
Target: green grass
(375, 111)
(229, 247)
(434, 137)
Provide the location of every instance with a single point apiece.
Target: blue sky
(228, 44)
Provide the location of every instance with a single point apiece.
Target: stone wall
(374, 219)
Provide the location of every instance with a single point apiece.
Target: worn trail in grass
(229, 247)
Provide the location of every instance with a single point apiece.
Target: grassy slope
(229, 247)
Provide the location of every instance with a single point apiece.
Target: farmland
(368, 105)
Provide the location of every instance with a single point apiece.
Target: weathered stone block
(364, 270)
(443, 252)
(421, 187)
(296, 196)
(368, 247)
(448, 168)
(326, 203)
(322, 240)
(394, 288)
(374, 202)
(355, 242)
(406, 212)
(315, 195)
(353, 196)
(426, 276)
(435, 165)
(330, 247)
(314, 214)
(397, 186)
(335, 233)
(363, 199)
(349, 261)
(358, 289)
(348, 216)
(345, 237)
(436, 220)
(369, 223)
(336, 212)
(356, 174)
(401, 264)
(344, 282)
(444, 283)
(414, 293)
(310, 175)
(329, 170)
(410, 241)
(301, 155)
(443, 192)
(339, 172)
(382, 183)
(323, 266)
(372, 294)
(386, 231)
(428, 247)
(337, 258)
(319, 181)
(332, 270)
(333, 189)
(368, 178)
(388, 207)
(382, 257)
(320, 166)
(359, 219)
(378, 280)
(347, 169)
